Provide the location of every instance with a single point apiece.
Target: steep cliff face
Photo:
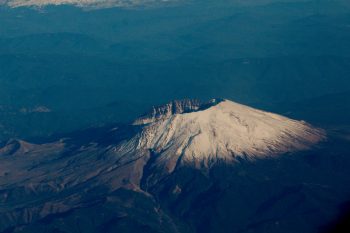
(173, 108)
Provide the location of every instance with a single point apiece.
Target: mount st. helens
(202, 134)
(46, 186)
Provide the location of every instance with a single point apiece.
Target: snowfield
(82, 3)
(225, 131)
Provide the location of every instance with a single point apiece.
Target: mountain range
(82, 3)
(186, 166)
(77, 154)
(120, 3)
(105, 61)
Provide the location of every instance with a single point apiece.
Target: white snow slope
(222, 132)
(82, 3)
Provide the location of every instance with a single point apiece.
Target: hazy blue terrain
(72, 79)
(65, 68)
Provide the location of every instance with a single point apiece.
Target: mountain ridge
(223, 130)
(82, 3)
(45, 186)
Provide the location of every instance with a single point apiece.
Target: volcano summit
(136, 168)
(188, 132)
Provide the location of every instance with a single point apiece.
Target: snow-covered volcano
(158, 167)
(187, 132)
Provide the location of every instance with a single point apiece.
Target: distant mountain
(82, 3)
(186, 166)
(120, 3)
